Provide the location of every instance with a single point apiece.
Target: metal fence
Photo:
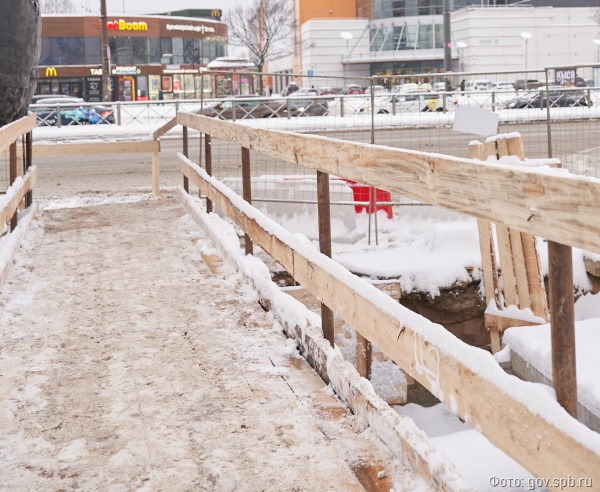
(557, 110)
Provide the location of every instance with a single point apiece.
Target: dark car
(555, 98)
(71, 112)
(308, 103)
(249, 107)
(289, 89)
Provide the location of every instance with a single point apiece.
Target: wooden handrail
(14, 194)
(545, 203)
(159, 132)
(467, 379)
(9, 133)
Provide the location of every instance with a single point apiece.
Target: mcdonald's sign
(51, 72)
(216, 13)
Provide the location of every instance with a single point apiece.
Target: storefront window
(62, 51)
(154, 86)
(154, 50)
(177, 51)
(166, 46)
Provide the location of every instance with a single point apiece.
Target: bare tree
(57, 7)
(263, 27)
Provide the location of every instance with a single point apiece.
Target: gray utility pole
(447, 37)
(106, 86)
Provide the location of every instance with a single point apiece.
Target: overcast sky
(136, 7)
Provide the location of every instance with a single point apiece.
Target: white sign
(475, 120)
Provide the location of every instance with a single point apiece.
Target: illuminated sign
(131, 70)
(51, 72)
(216, 13)
(203, 28)
(122, 25)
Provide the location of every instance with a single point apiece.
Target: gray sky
(136, 7)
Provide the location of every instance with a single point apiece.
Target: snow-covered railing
(522, 419)
(21, 180)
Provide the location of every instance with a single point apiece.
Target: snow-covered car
(406, 103)
(70, 113)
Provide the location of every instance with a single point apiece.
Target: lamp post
(526, 36)
(346, 36)
(597, 43)
(106, 86)
(461, 61)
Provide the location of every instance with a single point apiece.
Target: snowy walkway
(126, 362)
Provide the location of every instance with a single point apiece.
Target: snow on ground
(129, 362)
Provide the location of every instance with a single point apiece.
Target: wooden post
(28, 163)
(200, 158)
(13, 164)
(247, 192)
(186, 184)
(324, 215)
(156, 171)
(208, 159)
(562, 316)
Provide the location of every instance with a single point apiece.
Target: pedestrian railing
(518, 417)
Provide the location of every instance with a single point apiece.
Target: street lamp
(597, 43)
(526, 36)
(461, 45)
(347, 36)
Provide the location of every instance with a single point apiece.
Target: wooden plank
(156, 173)
(11, 205)
(93, 148)
(164, 129)
(498, 323)
(524, 198)
(506, 266)
(535, 443)
(364, 356)
(521, 280)
(324, 220)
(537, 289)
(9, 133)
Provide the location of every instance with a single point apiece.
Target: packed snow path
(127, 361)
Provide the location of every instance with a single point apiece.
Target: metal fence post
(58, 116)
(289, 116)
(208, 160)
(28, 163)
(394, 99)
(234, 110)
(562, 323)
(372, 89)
(324, 217)
(118, 113)
(186, 184)
(13, 165)
(493, 101)
(548, 120)
(342, 106)
(247, 193)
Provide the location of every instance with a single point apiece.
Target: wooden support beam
(524, 198)
(156, 173)
(247, 192)
(466, 378)
(159, 132)
(562, 318)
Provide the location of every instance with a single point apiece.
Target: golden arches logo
(216, 13)
(51, 72)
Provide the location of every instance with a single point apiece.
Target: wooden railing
(518, 417)
(21, 181)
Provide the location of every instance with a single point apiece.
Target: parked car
(289, 89)
(479, 85)
(308, 103)
(504, 86)
(555, 98)
(525, 84)
(404, 103)
(249, 107)
(353, 89)
(47, 112)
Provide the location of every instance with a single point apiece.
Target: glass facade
(408, 37)
(385, 9)
(64, 51)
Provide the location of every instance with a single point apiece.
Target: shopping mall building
(360, 38)
(151, 57)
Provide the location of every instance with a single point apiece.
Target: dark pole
(106, 85)
(324, 217)
(447, 37)
(208, 160)
(562, 324)
(28, 163)
(186, 183)
(247, 193)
